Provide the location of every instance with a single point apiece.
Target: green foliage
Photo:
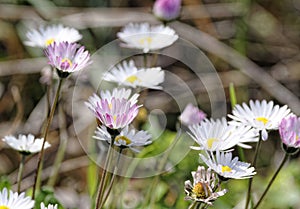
(46, 195)
(4, 183)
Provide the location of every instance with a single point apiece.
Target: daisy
(50, 206)
(67, 57)
(11, 200)
(45, 36)
(191, 115)
(204, 187)
(128, 74)
(262, 116)
(218, 134)
(167, 10)
(289, 130)
(114, 110)
(25, 144)
(226, 167)
(146, 37)
(127, 138)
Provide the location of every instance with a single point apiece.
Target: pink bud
(167, 9)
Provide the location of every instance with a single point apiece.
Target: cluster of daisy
(218, 138)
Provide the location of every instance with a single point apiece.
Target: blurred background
(251, 43)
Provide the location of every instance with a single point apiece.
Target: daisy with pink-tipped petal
(67, 57)
(191, 115)
(114, 110)
(289, 130)
(167, 10)
(146, 37)
(261, 115)
(13, 200)
(47, 35)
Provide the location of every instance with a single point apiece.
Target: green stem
(41, 154)
(251, 179)
(112, 179)
(21, 168)
(145, 60)
(272, 180)
(61, 149)
(104, 174)
(193, 205)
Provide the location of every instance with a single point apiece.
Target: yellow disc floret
(48, 42)
(199, 190)
(123, 138)
(3, 207)
(263, 120)
(226, 169)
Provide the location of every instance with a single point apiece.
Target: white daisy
(46, 35)
(204, 188)
(146, 37)
(218, 134)
(25, 144)
(50, 206)
(11, 200)
(128, 74)
(228, 168)
(262, 116)
(127, 138)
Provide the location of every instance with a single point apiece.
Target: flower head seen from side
(67, 57)
(128, 74)
(260, 115)
(289, 130)
(50, 206)
(226, 167)
(167, 10)
(13, 200)
(191, 115)
(146, 37)
(204, 187)
(47, 35)
(25, 144)
(217, 134)
(127, 138)
(114, 110)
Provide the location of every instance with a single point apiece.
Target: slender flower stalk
(251, 179)
(104, 174)
(41, 154)
(112, 178)
(285, 158)
(21, 168)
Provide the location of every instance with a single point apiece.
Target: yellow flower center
(67, 62)
(132, 79)
(123, 138)
(48, 42)
(210, 142)
(146, 40)
(263, 120)
(226, 169)
(3, 207)
(115, 118)
(199, 190)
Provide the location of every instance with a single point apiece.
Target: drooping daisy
(50, 206)
(262, 116)
(127, 138)
(128, 74)
(47, 35)
(146, 37)
(191, 115)
(289, 130)
(25, 144)
(204, 187)
(67, 57)
(13, 200)
(226, 167)
(114, 110)
(218, 134)
(167, 10)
